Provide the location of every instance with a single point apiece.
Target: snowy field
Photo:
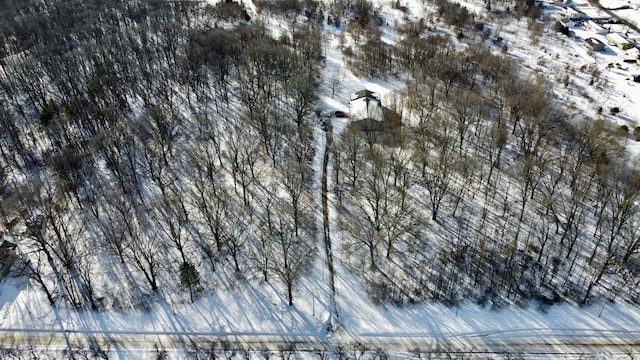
(245, 315)
(583, 81)
(243, 309)
(629, 10)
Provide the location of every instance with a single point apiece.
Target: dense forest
(140, 140)
(147, 144)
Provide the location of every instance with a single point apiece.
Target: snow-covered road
(533, 342)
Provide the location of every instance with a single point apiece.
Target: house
(562, 25)
(575, 14)
(8, 256)
(367, 112)
(366, 105)
(596, 28)
(594, 44)
(631, 56)
(620, 41)
(634, 78)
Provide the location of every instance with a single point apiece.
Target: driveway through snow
(333, 310)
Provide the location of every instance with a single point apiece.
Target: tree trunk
(372, 255)
(290, 293)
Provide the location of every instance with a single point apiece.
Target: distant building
(631, 56)
(565, 23)
(367, 112)
(8, 256)
(575, 14)
(366, 105)
(634, 78)
(595, 27)
(620, 41)
(594, 44)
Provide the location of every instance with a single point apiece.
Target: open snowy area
(209, 180)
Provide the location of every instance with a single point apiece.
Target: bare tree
(38, 270)
(243, 155)
(379, 209)
(144, 254)
(264, 66)
(263, 243)
(303, 93)
(620, 210)
(112, 223)
(159, 131)
(296, 181)
(466, 106)
(351, 148)
(55, 235)
(172, 217)
(120, 151)
(438, 176)
(236, 232)
(496, 141)
(210, 198)
(293, 254)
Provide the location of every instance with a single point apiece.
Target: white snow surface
(260, 310)
(556, 58)
(247, 306)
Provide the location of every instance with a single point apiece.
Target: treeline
(492, 193)
(144, 148)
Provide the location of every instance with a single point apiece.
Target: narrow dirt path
(333, 311)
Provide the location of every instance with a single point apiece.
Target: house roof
(7, 254)
(594, 44)
(617, 38)
(365, 94)
(7, 245)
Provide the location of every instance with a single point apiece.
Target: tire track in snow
(525, 343)
(333, 311)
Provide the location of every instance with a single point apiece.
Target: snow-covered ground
(629, 9)
(243, 309)
(587, 83)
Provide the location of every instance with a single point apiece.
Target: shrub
(399, 6)
(412, 29)
(49, 110)
(623, 130)
(311, 8)
(636, 133)
(230, 11)
(362, 11)
(454, 14)
(557, 26)
(534, 11)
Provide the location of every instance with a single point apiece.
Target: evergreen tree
(189, 277)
